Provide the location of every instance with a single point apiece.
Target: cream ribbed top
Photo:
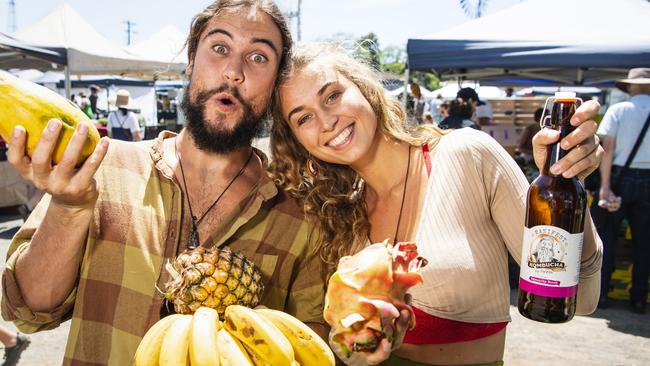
(473, 214)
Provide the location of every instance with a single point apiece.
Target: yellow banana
(32, 106)
(203, 337)
(256, 358)
(148, 350)
(310, 349)
(254, 331)
(175, 345)
(231, 352)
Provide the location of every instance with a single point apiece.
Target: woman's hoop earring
(311, 168)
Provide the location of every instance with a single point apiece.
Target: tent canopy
(87, 51)
(542, 42)
(18, 54)
(166, 45)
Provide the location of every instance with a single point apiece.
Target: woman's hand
(587, 154)
(384, 349)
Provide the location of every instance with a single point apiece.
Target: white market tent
(18, 54)
(542, 42)
(88, 52)
(167, 45)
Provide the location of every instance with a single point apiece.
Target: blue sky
(394, 21)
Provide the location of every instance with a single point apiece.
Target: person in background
(524, 153)
(84, 104)
(419, 102)
(510, 92)
(434, 108)
(15, 343)
(123, 124)
(443, 111)
(94, 91)
(460, 114)
(482, 110)
(428, 119)
(620, 128)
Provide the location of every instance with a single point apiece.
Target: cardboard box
(621, 282)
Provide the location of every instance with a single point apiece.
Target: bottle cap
(565, 95)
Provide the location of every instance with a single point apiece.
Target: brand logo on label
(547, 250)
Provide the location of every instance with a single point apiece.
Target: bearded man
(95, 248)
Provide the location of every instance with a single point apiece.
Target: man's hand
(586, 155)
(68, 185)
(608, 200)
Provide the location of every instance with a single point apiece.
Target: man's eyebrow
(254, 40)
(268, 43)
(320, 93)
(217, 30)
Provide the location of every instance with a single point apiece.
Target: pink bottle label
(550, 261)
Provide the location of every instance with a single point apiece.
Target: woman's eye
(332, 97)
(304, 119)
(258, 58)
(219, 49)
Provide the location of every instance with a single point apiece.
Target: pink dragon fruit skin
(366, 294)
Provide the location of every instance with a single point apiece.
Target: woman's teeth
(338, 140)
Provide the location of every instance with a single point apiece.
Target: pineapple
(215, 277)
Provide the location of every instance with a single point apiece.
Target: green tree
(393, 60)
(368, 49)
(426, 79)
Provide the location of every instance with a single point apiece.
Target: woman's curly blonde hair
(333, 199)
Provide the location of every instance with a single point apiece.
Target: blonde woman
(340, 145)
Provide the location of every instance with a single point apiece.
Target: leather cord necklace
(401, 207)
(193, 241)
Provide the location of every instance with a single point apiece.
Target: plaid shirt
(135, 230)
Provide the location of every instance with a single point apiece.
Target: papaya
(32, 106)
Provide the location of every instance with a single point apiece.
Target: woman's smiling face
(328, 114)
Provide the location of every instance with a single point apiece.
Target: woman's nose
(329, 122)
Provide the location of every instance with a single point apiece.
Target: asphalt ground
(613, 336)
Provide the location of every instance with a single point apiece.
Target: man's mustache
(205, 95)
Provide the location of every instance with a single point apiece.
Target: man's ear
(188, 68)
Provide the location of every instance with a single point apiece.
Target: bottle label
(550, 261)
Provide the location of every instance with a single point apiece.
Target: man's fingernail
(555, 169)
(17, 132)
(53, 125)
(82, 129)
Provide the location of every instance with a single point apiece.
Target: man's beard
(218, 139)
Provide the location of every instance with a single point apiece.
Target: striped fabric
(135, 231)
(473, 215)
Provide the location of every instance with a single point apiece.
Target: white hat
(122, 99)
(640, 75)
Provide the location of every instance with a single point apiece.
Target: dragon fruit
(366, 293)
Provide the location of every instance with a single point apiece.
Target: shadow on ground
(617, 315)
(8, 222)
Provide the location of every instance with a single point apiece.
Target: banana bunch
(247, 337)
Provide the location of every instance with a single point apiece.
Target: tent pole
(580, 76)
(67, 84)
(407, 76)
